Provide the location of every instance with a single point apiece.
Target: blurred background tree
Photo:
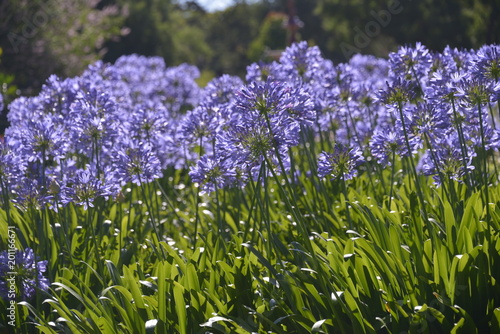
(378, 27)
(148, 27)
(42, 37)
(272, 37)
(230, 33)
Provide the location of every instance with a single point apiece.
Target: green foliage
(258, 264)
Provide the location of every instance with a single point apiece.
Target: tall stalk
(463, 148)
(436, 166)
(344, 191)
(484, 160)
(393, 170)
(413, 169)
(153, 220)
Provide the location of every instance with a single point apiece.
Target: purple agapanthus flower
(475, 91)
(299, 61)
(57, 95)
(369, 70)
(148, 122)
(200, 124)
(221, 91)
(11, 168)
(486, 65)
(446, 159)
(212, 173)
(93, 118)
(430, 120)
(263, 71)
(342, 162)
(455, 60)
(266, 121)
(84, 188)
(397, 92)
(248, 145)
(411, 63)
(443, 85)
(136, 162)
(29, 194)
(24, 108)
(276, 100)
(43, 140)
(177, 89)
(385, 143)
(21, 268)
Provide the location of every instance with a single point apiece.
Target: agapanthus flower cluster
(127, 121)
(486, 63)
(447, 111)
(136, 162)
(221, 91)
(12, 169)
(411, 64)
(212, 173)
(385, 144)
(266, 121)
(342, 162)
(84, 188)
(22, 270)
(93, 133)
(446, 161)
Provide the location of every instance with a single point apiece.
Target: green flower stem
(255, 186)
(197, 211)
(416, 78)
(95, 154)
(220, 221)
(153, 221)
(266, 213)
(356, 135)
(393, 169)
(90, 225)
(318, 190)
(344, 191)
(6, 200)
(484, 159)
(492, 115)
(167, 200)
(371, 117)
(414, 171)
(494, 126)
(436, 166)
(324, 284)
(463, 146)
